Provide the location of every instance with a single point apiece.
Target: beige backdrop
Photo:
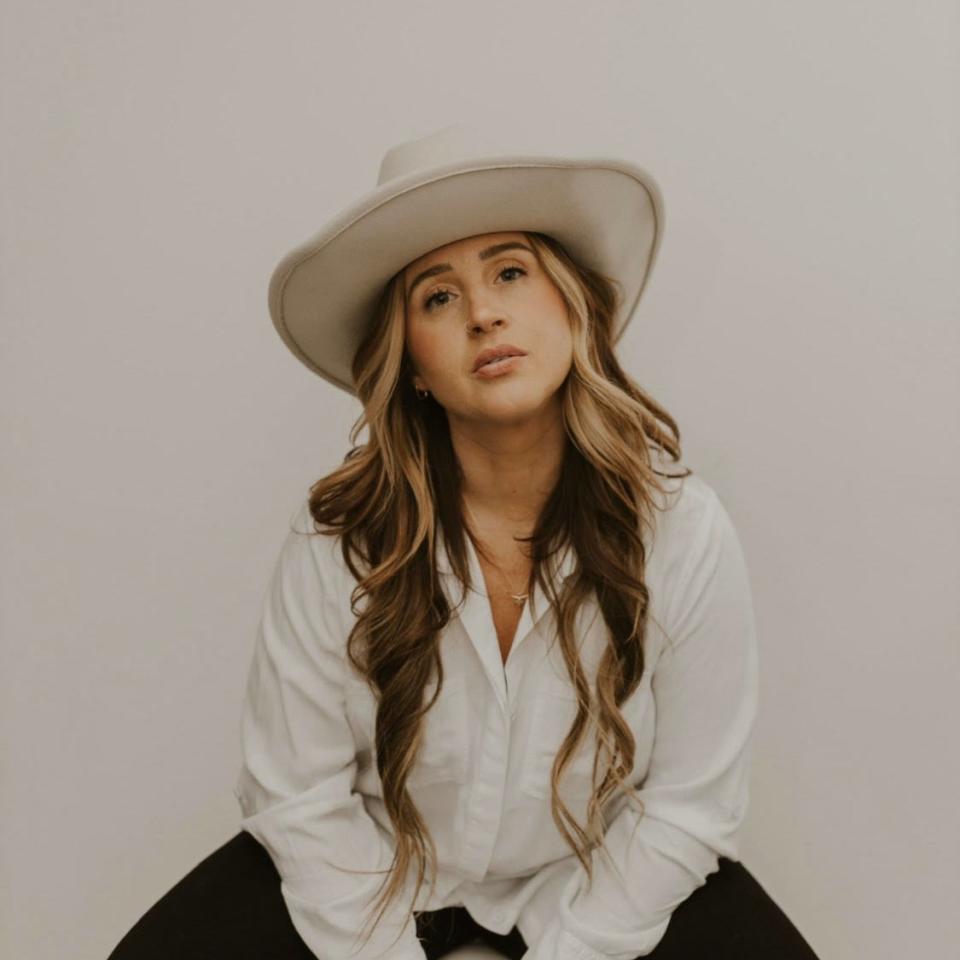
(802, 325)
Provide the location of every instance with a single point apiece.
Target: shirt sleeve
(295, 786)
(695, 794)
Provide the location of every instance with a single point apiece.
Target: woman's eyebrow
(484, 254)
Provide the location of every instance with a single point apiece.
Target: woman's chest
(470, 732)
(506, 618)
(502, 584)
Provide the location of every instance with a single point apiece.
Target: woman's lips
(498, 368)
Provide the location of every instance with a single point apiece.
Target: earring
(422, 394)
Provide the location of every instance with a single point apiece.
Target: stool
(475, 950)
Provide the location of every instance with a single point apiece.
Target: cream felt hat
(459, 181)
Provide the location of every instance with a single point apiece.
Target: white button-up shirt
(310, 793)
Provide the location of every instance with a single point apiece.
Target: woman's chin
(510, 407)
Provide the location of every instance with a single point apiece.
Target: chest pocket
(552, 712)
(444, 753)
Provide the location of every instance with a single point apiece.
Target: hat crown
(459, 142)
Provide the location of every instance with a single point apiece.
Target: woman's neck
(508, 474)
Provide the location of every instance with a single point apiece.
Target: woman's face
(478, 293)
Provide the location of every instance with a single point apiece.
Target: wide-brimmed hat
(459, 181)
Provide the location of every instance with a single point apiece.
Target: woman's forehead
(462, 247)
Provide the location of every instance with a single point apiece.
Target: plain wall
(801, 325)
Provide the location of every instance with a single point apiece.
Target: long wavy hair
(391, 494)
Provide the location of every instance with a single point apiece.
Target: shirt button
(498, 916)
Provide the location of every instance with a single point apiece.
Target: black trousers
(229, 907)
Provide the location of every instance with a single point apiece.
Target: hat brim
(608, 215)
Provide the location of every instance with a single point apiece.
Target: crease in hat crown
(606, 210)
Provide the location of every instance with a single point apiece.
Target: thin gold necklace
(518, 598)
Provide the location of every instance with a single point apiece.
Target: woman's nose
(484, 312)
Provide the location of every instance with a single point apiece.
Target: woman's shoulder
(315, 545)
(311, 575)
(686, 495)
(685, 517)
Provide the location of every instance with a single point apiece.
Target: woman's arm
(296, 784)
(705, 686)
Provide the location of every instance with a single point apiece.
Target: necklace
(518, 598)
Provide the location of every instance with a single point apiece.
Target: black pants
(229, 907)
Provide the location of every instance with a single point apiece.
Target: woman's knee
(228, 905)
(731, 916)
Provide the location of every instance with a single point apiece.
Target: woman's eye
(428, 303)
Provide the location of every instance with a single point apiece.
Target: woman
(506, 676)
